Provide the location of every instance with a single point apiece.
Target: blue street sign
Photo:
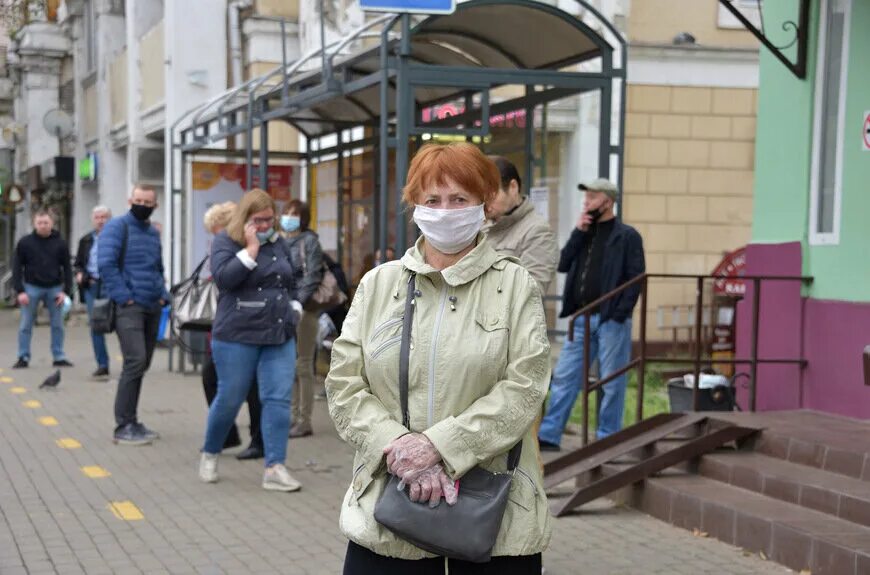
(410, 6)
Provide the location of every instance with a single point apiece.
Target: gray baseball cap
(602, 185)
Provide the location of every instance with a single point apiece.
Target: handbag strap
(405, 350)
(404, 360)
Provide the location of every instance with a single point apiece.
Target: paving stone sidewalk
(72, 502)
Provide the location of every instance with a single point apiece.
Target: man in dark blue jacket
(130, 264)
(601, 255)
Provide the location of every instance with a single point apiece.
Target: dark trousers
(209, 386)
(361, 561)
(137, 332)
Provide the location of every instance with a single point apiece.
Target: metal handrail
(642, 359)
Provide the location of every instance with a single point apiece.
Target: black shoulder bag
(104, 311)
(482, 500)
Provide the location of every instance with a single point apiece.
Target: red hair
(461, 162)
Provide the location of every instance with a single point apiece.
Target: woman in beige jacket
(479, 370)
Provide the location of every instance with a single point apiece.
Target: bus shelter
(504, 74)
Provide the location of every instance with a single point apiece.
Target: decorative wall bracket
(800, 29)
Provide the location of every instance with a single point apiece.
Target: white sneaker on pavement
(208, 467)
(277, 478)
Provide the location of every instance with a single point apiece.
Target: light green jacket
(478, 376)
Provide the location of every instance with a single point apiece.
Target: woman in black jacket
(253, 335)
(307, 257)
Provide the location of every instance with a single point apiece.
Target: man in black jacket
(601, 255)
(88, 280)
(41, 271)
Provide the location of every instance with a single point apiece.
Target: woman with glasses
(253, 335)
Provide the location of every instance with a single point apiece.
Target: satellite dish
(57, 123)
(11, 131)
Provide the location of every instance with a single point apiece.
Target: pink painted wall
(779, 325)
(834, 336)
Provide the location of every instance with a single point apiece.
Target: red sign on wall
(729, 274)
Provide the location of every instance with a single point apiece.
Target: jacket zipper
(386, 345)
(385, 326)
(433, 350)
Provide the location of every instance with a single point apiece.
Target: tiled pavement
(56, 517)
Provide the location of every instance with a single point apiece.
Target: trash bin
(718, 398)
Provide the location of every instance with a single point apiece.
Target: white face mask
(449, 231)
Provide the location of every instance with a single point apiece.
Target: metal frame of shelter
(385, 73)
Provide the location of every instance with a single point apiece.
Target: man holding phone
(601, 255)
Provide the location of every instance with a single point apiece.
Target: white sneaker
(208, 467)
(277, 478)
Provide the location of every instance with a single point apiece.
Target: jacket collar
(469, 268)
(521, 211)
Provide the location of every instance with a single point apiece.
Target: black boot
(252, 452)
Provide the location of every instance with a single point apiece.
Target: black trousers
(137, 332)
(209, 386)
(361, 561)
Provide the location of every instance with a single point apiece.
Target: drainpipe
(235, 7)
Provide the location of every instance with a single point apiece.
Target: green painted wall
(784, 158)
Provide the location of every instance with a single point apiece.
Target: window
(830, 103)
(749, 8)
(90, 35)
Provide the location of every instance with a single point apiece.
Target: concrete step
(837, 495)
(793, 535)
(837, 444)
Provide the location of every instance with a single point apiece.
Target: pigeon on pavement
(51, 381)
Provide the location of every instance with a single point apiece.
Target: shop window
(828, 132)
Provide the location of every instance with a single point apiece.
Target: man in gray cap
(601, 255)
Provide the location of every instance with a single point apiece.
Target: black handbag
(467, 530)
(104, 309)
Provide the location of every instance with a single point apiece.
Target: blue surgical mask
(265, 236)
(290, 223)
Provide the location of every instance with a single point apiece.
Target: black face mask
(140, 212)
(595, 214)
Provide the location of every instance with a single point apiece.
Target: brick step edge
(794, 536)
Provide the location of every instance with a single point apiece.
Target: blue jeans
(238, 364)
(45, 295)
(98, 340)
(610, 342)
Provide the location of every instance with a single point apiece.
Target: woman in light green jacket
(479, 370)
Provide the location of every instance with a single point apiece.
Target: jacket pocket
(241, 304)
(523, 491)
(384, 327)
(392, 342)
(493, 335)
(360, 483)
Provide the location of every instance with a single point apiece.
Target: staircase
(797, 491)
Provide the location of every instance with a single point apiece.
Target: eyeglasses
(263, 221)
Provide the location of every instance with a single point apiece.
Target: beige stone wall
(287, 8)
(153, 81)
(689, 167)
(118, 88)
(282, 136)
(658, 21)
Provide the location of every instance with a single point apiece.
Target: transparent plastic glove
(431, 485)
(410, 455)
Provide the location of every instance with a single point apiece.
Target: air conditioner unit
(149, 166)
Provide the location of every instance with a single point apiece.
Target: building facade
(811, 206)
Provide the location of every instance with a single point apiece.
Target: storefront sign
(512, 119)
(866, 131)
(214, 183)
(729, 273)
